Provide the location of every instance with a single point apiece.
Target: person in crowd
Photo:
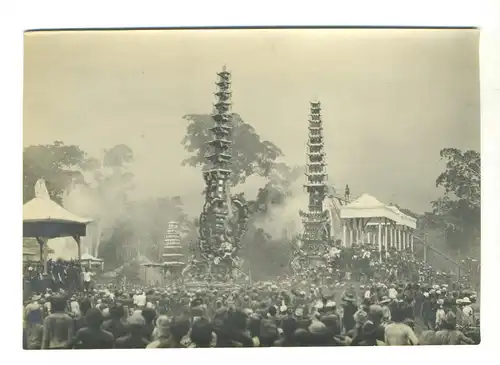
(467, 313)
(161, 333)
(115, 324)
(33, 319)
(149, 316)
(135, 338)
(179, 328)
(399, 333)
(202, 335)
(289, 326)
(369, 336)
(87, 279)
(449, 335)
(349, 308)
(93, 337)
(58, 327)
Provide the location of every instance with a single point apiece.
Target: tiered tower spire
(217, 209)
(315, 220)
(224, 218)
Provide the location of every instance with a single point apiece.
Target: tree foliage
(251, 155)
(57, 163)
(458, 212)
(462, 176)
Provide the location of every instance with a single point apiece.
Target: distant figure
(347, 195)
(87, 279)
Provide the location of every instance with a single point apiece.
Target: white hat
(459, 301)
(299, 312)
(440, 301)
(319, 305)
(438, 292)
(283, 308)
(466, 300)
(426, 294)
(330, 304)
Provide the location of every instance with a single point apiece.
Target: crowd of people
(352, 299)
(280, 313)
(364, 263)
(59, 274)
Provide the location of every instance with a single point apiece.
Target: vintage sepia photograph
(215, 188)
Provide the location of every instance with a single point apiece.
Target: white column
(411, 241)
(344, 234)
(386, 236)
(393, 235)
(400, 239)
(350, 236)
(404, 238)
(379, 238)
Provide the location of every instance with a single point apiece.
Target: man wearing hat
(467, 313)
(349, 308)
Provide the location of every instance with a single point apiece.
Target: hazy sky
(391, 99)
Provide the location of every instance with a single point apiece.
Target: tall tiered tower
(223, 219)
(316, 222)
(172, 255)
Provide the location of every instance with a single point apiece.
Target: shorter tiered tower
(173, 259)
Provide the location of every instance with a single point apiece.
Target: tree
(251, 155)
(462, 176)
(458, 212)
(57, 163)
(118, 156)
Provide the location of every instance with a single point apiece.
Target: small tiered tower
(316, 234)
(173, 259)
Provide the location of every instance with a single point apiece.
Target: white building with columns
(367, 220)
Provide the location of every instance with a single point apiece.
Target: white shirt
(87, 276)
(440, 316)
(468, 315)
(393, 293)
(140, 300)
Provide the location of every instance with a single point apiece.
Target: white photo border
(20, 15)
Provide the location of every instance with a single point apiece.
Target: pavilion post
(411, 241)
(43, 262)
(79, 245)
